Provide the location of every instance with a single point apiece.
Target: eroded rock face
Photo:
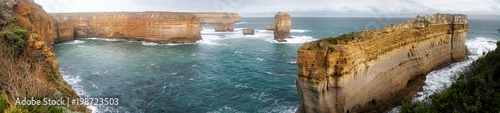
(159, 27)
(282, 24)
(248, 31)
(374, 69)
(218, 18)
(270, 27)
(224, 27)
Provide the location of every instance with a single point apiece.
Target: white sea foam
(240, 23)
(74, 82)
(260, 35)
(294, 39)
(75, 42)
(245, 85)
(236, 52)
(238, 29)
(298, 30)
(158, 44)
(263, 31)
(107, 39)
(209, 40)
(441, 79)
(277, 108)
(262, 96)
(225, 109)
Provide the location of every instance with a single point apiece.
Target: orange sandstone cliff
(159, 27)
(218, 18)
(282, 25)
(224, 27)
(364, 71)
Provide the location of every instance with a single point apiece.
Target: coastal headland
(374, 69)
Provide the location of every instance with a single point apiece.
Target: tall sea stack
(374, 69)
(282, 24)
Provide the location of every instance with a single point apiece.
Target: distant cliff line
(152, 26)
(368, 70)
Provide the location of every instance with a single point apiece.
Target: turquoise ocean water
(226, 71)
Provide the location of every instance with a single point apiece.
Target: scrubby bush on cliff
(14, 39)
(426, 22)
(345, 37)
(3, 104)
(476, 90)
(25, 73)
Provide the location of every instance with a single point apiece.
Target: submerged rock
(372, 70)
(248, 31)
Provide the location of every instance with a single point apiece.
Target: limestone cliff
(270, 27)
(282, 25)
(224, 27)
(218, 18)
(371, 69)
(159, 27)
(34, 71)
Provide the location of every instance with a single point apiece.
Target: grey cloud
(374, 9)
(270, 7)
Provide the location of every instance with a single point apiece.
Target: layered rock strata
(248, 31)
(371, 69)
(159, 27)
(218, 18)
(224, 27)
(282, 25)
(270, 27)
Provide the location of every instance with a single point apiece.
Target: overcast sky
(296, 8)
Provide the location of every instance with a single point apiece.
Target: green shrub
(426, 22)
(332, 40)
(14, 109)
(3, 104)
(331, 50)
(14, 39)
(345, 37)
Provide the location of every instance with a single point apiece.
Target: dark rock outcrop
(224, 27)
(282, 25)
(248, 31)
(377, 68)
